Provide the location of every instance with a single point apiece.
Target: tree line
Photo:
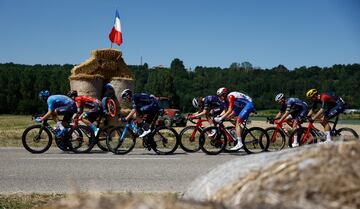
(20, 84)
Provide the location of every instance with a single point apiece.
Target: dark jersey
(211, 102)
(142, 99)
(293, 104)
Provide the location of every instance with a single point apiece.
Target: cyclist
(330, 106)
(92, 114)
(209, 106)
(293, 111)
(239, 105)
(58, 105)
(109, 93)
(145, 107)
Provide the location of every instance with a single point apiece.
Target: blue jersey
(211, 102)
(56, 101)
(293, 104)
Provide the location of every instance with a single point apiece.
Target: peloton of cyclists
(292, 111)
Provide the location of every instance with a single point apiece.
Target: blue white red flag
(115, 35)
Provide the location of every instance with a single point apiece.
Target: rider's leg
(325, 123)
(295, 142)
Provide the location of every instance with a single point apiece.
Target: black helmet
(72, 93)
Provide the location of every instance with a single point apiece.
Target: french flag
(115, 35)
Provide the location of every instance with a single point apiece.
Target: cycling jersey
(89, 102)
(328, 101)
(241, 104)
(62, 105)
(293, 104)
(214, 104)
(297, 108)
(146, 104)
(332, 104)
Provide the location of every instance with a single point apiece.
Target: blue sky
(209, 33)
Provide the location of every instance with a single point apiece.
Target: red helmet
(222, 91)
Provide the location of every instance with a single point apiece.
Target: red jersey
(85, 101)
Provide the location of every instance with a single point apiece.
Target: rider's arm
(277, 116)
(131, 114)
(47, 115)
(204, 112)
(284, 116)
(318, 114)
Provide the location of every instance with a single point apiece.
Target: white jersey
(239, 96)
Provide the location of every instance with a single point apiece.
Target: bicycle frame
(198, 125)
(317, 132)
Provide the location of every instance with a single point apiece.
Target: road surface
(138, 171)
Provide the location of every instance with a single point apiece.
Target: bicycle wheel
(212, 144)
(345, 134)
(165, 140)
(189, 139)
(120, 142)
(101, 138)
(277, 139)
(62, 145)
(232, 141)
(81, 139)
(298, 134)
(255, 140)
(36, 139)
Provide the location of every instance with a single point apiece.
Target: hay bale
(88, 87)
(106, 54)
(323, 176)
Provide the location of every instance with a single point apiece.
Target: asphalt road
(138, 171)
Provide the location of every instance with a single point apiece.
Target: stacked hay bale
(105, 65)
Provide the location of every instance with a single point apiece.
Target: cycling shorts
(67, 111)
(244, 112)
(334, 111)
(93, 113)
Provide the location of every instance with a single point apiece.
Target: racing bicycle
(311, 134)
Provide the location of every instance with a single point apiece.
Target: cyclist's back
(294, 104)
(238, 99)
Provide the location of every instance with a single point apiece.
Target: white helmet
(125, 93)
(222, 91)
(195, 103)
(279, 97)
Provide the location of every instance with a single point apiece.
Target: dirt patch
(326, 176)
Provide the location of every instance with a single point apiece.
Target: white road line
(88, 158)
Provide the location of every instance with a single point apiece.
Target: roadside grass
(11, 129)
(22, 201)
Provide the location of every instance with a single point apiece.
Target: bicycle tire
(255, 140)
(231, 143)
(300, 132)
(165, 140)
(213, 145)
(352, 134)
(101, 138)
(62, 145)
(189, 141)
(113, 141)
(279, 140)
(81, 139)
(27, 135)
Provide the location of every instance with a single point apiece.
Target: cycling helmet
(126, 93)
(44, 94)
(195, 102)
(108, 86)
(72, 93)
(311, 93)
(279, 97)
(222, 91)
